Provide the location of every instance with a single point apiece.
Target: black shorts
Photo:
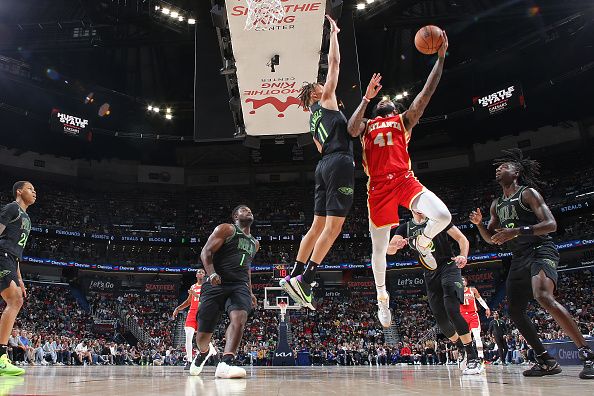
(528, 263)
(214, 300)
(335, 185)
(8, 270)
(442, 283)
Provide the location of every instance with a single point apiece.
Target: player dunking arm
(226, 256)
(444, 284)
(469, 312)
(193, 301)
(392, 182)
(521, 219)
(334, 177)
(15, 226)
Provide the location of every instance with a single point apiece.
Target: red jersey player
(191, 326)
(470, 315)
(392, 182)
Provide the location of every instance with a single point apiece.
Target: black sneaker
(587, 356)
(544, 366)
(187, 366)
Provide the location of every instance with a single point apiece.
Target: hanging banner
(272, 63)
(498, 101)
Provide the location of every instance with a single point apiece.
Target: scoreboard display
(279, 272)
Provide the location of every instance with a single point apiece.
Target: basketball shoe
(545, 365)
(200, 360)
(303, 290)
(587, 356)
(286, 285)
(7, 368)
(228, 371)
(473, 367)
(383, 312)
(426, 254)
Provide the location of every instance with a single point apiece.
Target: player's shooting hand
(441, 52)
(215, 279)
(254, 301)
(476, 216)
(460, 261)
(333, 26)
(503, 235)
(374, 86)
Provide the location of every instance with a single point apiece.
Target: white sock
(479, 343)
(437, 213)
(380, 238)
(189, 344)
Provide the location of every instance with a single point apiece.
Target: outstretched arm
(476, 218)
(413, 114)
(357, 123)
(464, 245)
(478, 297)
(328, 100)
(546, 222)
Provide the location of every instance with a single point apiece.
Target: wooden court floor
(398, 380)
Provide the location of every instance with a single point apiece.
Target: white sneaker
(425, 254)
(226, 371)
(473, 367)
(383, 312)
(199, 362)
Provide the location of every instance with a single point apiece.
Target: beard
(385, 110)
(246, 222)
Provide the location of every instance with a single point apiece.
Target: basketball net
(283, 310)
(264, 13)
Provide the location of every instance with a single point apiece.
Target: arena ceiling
(128, 57)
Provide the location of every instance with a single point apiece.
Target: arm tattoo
(354, 125)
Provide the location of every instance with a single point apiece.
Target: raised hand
(476, 216)
(441, 52)
(374, 86)
(333, 26)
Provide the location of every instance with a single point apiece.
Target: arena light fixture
(165, 11)
(399, 96)
(180, 18)
(370, 1)
(405, 93)
(361, 6)
(169, 116)
(174, 14)
(191, 21)
(156, 109)
(149, 108)
(385, 97)
(168, 110)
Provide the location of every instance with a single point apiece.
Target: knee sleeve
(437, 213)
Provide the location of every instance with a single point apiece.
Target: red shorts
(386, 194)
(472, 319)
(191, 320)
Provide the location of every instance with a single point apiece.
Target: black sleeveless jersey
(512, 213)
(232, 261)
(329, 127)
(16, 233)
(442, 249)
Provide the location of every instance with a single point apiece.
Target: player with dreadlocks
(334, 177)
(521, 219)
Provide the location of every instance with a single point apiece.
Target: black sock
(297, 268)
(228, 358)
(545, 356)
(3, 349)
(310, 272)
(470, 352)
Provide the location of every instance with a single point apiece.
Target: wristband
(211, 276)
(366, 99)
(527, 230)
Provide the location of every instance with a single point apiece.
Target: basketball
(428, 39)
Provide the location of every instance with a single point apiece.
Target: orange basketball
(428, 39)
